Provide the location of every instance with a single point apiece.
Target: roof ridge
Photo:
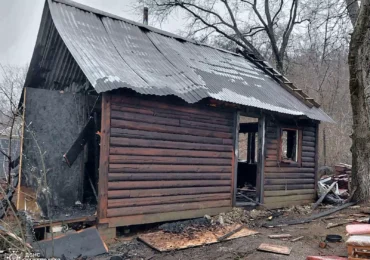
(281, 79)
(148, 27)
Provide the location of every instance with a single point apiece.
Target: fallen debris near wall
(178, 227)
(309, 219)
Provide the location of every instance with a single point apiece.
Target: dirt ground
(245, 248)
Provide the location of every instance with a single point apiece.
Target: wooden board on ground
(163, 241)
(283, 250)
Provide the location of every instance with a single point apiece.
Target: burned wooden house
(132, 125)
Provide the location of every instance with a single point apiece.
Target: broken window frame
(298, 160)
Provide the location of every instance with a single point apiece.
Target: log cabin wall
(165, 161)
(290, 184)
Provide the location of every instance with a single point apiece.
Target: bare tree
(238, 21)
(10, 90)
(358, 60)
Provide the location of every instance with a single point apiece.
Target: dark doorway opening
(246, 181)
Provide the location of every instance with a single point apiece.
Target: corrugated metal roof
(115, 53)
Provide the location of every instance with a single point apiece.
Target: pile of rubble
(335, 183)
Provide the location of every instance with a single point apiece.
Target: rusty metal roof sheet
(117, 53)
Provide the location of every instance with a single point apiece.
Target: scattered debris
(235, 216)
(182, 226)
(322, 197)
(84, 243)
(163, 241)
(283, 250)
(322, 244)
(297, 238)
(331, 225)
(280, 236)
(4, 232)
(309, 219)
(230, 233)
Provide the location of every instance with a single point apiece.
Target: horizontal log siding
(168, 158)
(284, 184)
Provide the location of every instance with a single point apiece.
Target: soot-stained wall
(53, 121)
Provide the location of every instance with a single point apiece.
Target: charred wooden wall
(165, 161)
(290, 184)
(52, 121)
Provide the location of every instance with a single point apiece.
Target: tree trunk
(359, 60)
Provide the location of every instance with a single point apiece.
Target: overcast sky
(20, 20)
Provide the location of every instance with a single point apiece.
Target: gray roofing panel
(115, 53)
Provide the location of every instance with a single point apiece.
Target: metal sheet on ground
(85, 243)
(163, 241)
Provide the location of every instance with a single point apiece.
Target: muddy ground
(128, 247)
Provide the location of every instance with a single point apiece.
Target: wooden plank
(261, 158)
(309, 139)
(131, 142)
(271, 163)
(310, 129)
(235, 157)
(308, 164)
(168, 129)
(104, 156)
(119, 194)
(288, 181)
(308, 149)
(308, 154)
(310, 144)
(288, 192)
(131, 185)
(117, 203)
(308, 159)
(21, 151)
(317, 155)
(164, 241)
(289, 175)
(168, 121)
(279, 236)
(272, 146)
(127, 159)
(168, 152)
(171, 114)
(127, 211)
(271, 152)
(289, 169)
(270, 141)
(317, 203)
(167, 176)
(282, 250)
(118, 132)
(269, 187)
(309, 133)
(162, 168)
(270, 200)
(162, 217)
(184, 108)
(271, 158)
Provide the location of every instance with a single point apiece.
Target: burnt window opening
(289, 145)
(248, 143)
